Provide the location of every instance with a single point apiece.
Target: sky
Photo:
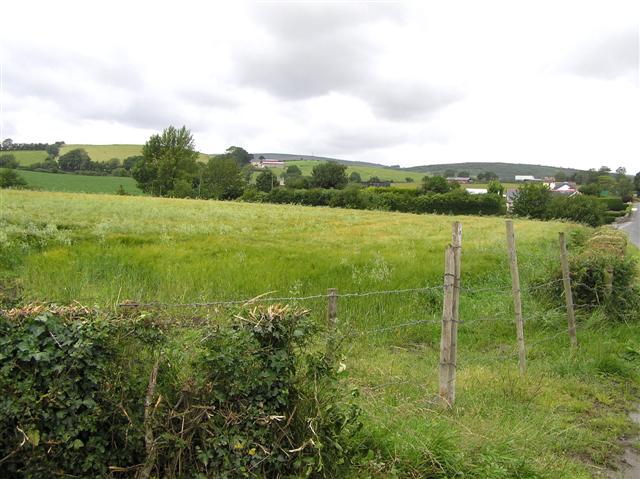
(408, 83)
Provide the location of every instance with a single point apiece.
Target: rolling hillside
(506, 171)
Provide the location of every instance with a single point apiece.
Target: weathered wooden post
(456, 243)
(568, 294)
(517, 302)
(447, 317)
(332, 320)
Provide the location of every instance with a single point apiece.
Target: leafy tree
(329, 175)
(374, 179)
(53, 150)
(130, 162)
(293, 170)
(495, 187)
(8, 161)
(240, 155)
(604, 169)
(297, 182)
(560, 176)
(624, 188)
(532, 200)
(166, 158)
(621, 172)
(222, 179)
(449, 173)
(409, 179)
(75, 160)
(266, 181)
(7, 143)
(355, 177)
(10, 179)
(435, 184)
(464, 174)
(636, 182)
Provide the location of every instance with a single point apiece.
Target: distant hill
(506, 171)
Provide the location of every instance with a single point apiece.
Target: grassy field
(106, 152)
(365, 172)
(78, 183)
(563, 420)
(28, 157)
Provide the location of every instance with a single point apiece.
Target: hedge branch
(145, 472)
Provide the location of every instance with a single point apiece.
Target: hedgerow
(90, 395)
(386, 199)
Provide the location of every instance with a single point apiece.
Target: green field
(563, 419)
(365, 172)
(106, 152)
(78, 183)
(28, 157)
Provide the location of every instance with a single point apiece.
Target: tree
(355, 177)
(636, 182)
(130, 162)
(409, 179)
(464, 174)
(604, 169)
(435, 184)
(266, 181)
(240, 155)
(8, 161)
(495, 187)
(222, 179)
(167, 158)
(532, 200)
(329, 175)
(621, 172)
(293, 170)
(7, 144)
(11, 179)
(560, 175)
(449, 173)
(75, 160)
(624, 188)
(53, 150)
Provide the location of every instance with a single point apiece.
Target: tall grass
(561, 420)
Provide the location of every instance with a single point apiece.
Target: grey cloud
(613, 55)
(407, 101)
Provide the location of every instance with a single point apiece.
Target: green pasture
(28, 157)
(563, 419)
(366, 172)
(78, 183)
(106, 152)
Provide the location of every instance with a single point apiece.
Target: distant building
(511, 195)
(267, 163)
(477, 191)
(565, 189)
(550, 181)
(526, 178)
(379, 184)
(463, 180)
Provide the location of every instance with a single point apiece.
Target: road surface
(632, 227)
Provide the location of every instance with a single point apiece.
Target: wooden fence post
(517, 302)
(568, 294)
(332, 319)
(456, 243)
(447, 316)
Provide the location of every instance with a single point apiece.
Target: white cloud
(407, 83)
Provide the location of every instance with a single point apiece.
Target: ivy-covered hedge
(387, 199)
(86, 395)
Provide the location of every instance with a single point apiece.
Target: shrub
(532, 200)
(579, 208)
(11, 179)
(613, 204)
(85, 393)
(603, 275)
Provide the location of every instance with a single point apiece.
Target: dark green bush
(250, 400)
(613, 204)
(579, 208)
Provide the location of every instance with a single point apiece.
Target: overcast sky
(390, 82)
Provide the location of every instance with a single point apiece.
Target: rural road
(632, 227)
(631, 461)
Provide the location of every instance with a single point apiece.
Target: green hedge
(613, 204)
(241, 399)
(387, 199)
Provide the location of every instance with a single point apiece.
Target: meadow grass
(79, 183)
(28, 157)
(563, 419)
(366, 172)
(106, 152)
